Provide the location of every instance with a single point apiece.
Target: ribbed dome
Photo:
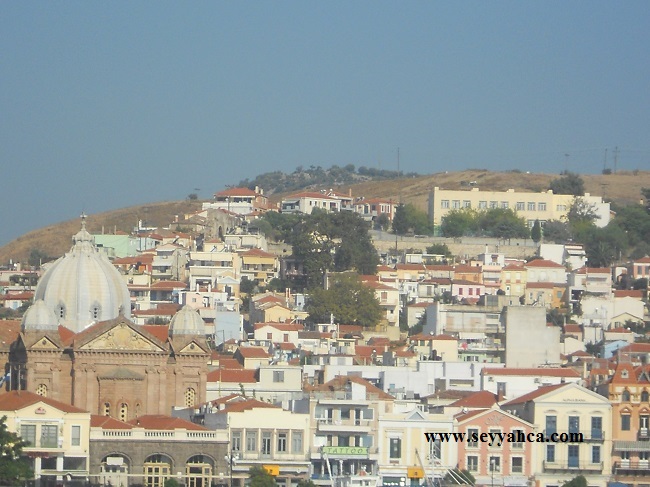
(83, 286)
(39, 317)
(187, 321)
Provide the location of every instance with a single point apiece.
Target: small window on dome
(95, 311)
(124, 411)
(41, 390)
(107, 409)
(60, 311)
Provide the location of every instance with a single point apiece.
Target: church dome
(39, 317)
(83, 287)
(187, 321)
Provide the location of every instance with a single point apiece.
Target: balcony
(587, 435)
(571, 465)
(632, 467)
(350, 425)
(644, 434)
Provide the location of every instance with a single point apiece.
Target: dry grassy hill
(54, 240)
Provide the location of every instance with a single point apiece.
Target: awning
(631, 445)
(515, 481)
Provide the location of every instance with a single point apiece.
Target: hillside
(622, 188)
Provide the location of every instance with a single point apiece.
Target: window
(482, 205)
(467, 204)
(551, 425)
(95, 311)
(60, 310)
(435, 449)
(49, 436)
(266, 443)
(550, 453)
(495, 464)
(269, 336)
(531, 206)
(296, 441)
(251, 441)
(285, 337)
(278, 376)
(625, 422)
(625, 397)
(517, 465)
(444, 204)
(595, 454)
(520, 437)
(574, 424)
(472, 463)
(282, 442)
(395, 448)
(28, 433)
(645, 397)
(75, 436)
(455, 204)
(504, 204)
(190, 397)
(107, 409)
(597, 428)
(470, 433)
(41, 390)
(574, 456)
(124, 411)
(494, 204)
(541, 206)
(521, 206)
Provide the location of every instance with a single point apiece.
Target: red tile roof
(480, 399)
(280, 326)
(106, 422)
(235, 376)
(257, 253)
(247, 405)
(236, 192)
(534, 394)
(161, 332)
(169, 285)
(632, 293)
(253, 352)
(423, 336)
(339, 383)
(543, 263)
(15, 400)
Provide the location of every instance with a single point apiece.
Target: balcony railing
(644, 433)
(571, 465)
(587, 435)
(637, 466)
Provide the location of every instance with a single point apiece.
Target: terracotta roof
(310, 194)
(9, 331)
(350, 329)
(594, 270)
(445, 281)
(548, 372)
(154, 312)
(636, 348)
(339, 383)
(235, 376)
(422, 336)
(378, 285)
(378, 341)
(643, 260)
(268, 299)
(19, 296)
(480, 399)
(15, 400)
(286, 346)
(385, 268)
(161, 332)
(411, 267)
(257, 253)
(140, 259)
(467, 269)
(534, 394)
(253, 352)
(543, 285)
(106, 422)
(247, 405)
(280, 326)
(162, 422)
(543, 263)
(513, 267)
(169, 285)
(572, 328)
(618, 330)
(632, 293)
(405, 353)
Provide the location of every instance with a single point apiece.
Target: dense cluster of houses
(330, 402)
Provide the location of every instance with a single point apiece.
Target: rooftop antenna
(605, 161)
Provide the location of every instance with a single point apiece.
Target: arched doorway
(114, 471)
(198, 470)
(157, 469)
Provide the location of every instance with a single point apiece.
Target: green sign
(348, 451)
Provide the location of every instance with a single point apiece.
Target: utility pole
(605, 161)
(615, 158)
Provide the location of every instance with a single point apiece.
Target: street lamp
(492, 465)
(232, 459)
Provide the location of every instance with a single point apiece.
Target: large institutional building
(542, 206)
(77, 344)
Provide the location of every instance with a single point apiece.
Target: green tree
(603, 246)
(259, 477)
(408, 219)
(246, 285)
(568, 183)
(14, 469)
(502, 223)
(439, 249)
(579, 481)
(37, 257)
(536, 232)
(459, 222)
(557, 231)
(348, 299)
(382, 222)
(306, 483)
(401, 225)
(171, 482)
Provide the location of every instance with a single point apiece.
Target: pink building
(499, 463)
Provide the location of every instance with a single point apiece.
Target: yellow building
(259, 266)
(542, 206)
(58, 435)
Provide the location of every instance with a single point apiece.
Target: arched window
(625, 397)
(190, 397)
(107, 409)
(41, 390)
(157, 469)
(59, 311)
(199, 470)
(124, 411)
(95, 311)
(645, 396)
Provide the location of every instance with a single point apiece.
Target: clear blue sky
(108, 104)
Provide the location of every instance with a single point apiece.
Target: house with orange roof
(151, 449)
(218, 268)
(434, 347)
(568, 408)
(170, 262)
(388, 297)
(306, 201)
(628, 391)
(269, 333)
(499, 463)
(542, 270)
(513, 280)
(640, 268)
(240, 201)
(261, 433)
(548, 294)
(372, 208)
(57, 435)
(259, 266)
(252, 357)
